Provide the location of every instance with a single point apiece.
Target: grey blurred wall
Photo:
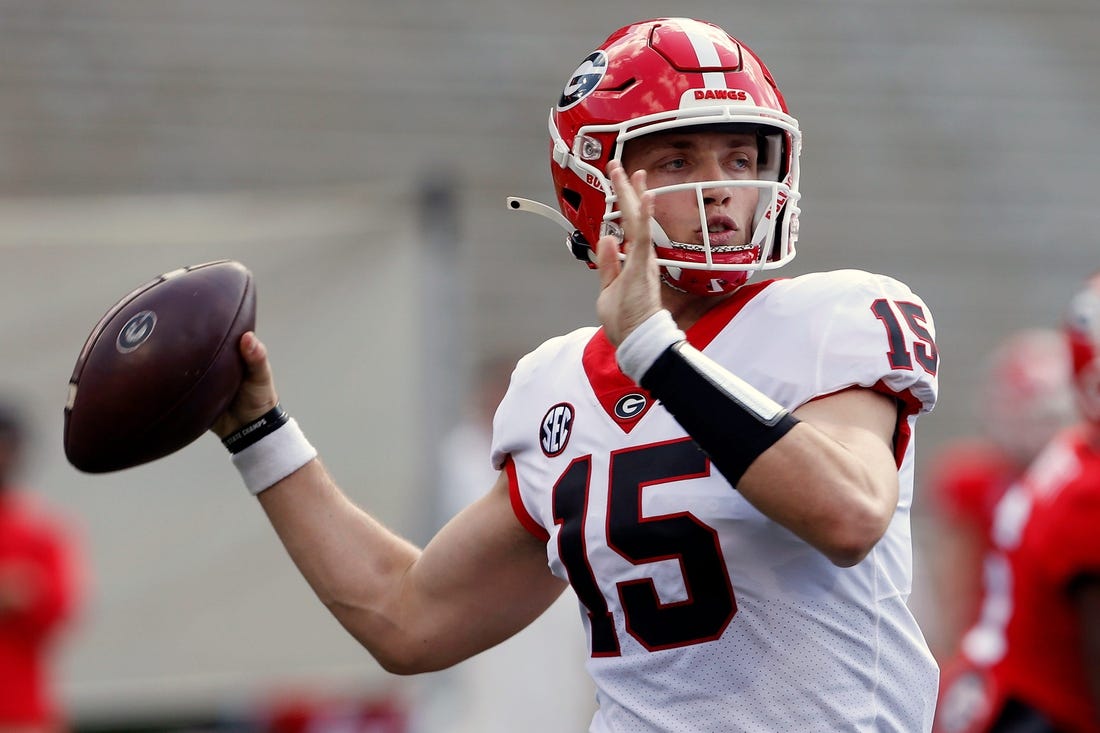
(951, 144)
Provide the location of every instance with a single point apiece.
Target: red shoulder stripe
(518, 507)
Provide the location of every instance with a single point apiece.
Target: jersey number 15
(710, 604)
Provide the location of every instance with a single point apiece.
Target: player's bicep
(864, 422)
(483, 578)
(832, 479)
(853, 415)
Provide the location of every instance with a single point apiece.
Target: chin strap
(575, 242)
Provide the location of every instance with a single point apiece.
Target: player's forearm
(354, 564)
(480, 580)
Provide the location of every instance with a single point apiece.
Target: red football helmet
(1082, 327)
(654, 76)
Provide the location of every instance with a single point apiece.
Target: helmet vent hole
(572, 198)
(620, 88)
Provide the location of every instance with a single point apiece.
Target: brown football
(159, 367)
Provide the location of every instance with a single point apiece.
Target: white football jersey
(701, 613)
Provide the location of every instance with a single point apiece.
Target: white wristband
(645, 343)
(274, 457)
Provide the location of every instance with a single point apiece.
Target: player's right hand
(256, 395)
(630, 291)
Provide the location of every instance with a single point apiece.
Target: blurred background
(356, 156)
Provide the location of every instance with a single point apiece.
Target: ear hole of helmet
(572, 198)
(576, 241)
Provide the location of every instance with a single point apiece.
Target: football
(159, 367)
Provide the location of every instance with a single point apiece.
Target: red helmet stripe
(711, 56)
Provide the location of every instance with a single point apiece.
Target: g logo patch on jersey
(584, 80)
(136, 331)
(557, 426)
(630, 405)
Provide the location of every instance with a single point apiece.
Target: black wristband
(729, 432)
(256, 430)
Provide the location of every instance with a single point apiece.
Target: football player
(1024, 400)
(1032, 660)
(723, 471)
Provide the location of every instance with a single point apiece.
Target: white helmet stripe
(707, 54)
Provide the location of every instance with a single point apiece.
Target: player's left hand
(630, 291)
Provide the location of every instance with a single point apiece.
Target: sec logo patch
(557, 426)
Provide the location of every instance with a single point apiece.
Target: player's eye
(741, 163)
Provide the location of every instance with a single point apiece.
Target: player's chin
(707, 283)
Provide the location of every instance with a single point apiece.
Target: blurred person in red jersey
(302, 711)
(1025, 399)
(1031, 663)
(38, 592)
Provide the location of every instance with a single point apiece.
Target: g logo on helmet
(136, 331)
(584, 80)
